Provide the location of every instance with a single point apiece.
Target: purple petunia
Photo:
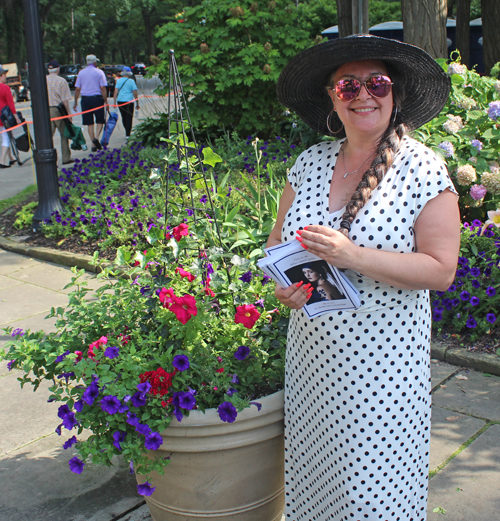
(143, 428)
(475, 301)
(266, 279)
(181, 362)
(118, 437)
(490, 291)
(227, 412)
(235, 379)
(79, 406)
(68, 444)
(138, 399)
(17, 332)
(76, 465)
(437, 315)
(242, 352)
(257, 404)
(471, 322)
(132, 419)
(111, 352)
(246, 277)
(91, 393)
(490, 317)
(10, 364)
(153, 441)
(145, 489)
(231, 391)
(144, 387)
(110, 404)
(465, 295)
(60, 358)
(475, 272)
(260, 303)
(63, 411)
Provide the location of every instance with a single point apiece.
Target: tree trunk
(344, 16)
(149, 29)
(424, 25)
(463, 30)
(490, 10)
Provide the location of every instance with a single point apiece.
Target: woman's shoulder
(412, 152)
(322, 149)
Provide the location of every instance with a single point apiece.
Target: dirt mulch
(73, 244)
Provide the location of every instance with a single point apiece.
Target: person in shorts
(91, 86)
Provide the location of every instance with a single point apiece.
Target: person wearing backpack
(125, 93)
(6, 99)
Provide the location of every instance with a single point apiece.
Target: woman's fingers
(295, 296)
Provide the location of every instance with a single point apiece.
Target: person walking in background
(125, 92)
(91, 85)
(6, 99)
(58, 91)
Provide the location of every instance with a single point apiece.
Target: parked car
(139, 68)
(69, 73)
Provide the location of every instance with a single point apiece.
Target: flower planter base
(220, 471)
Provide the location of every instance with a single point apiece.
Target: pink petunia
(185, 274)
(247, 315)
(180, 231)
(166, 297)
(184, 308)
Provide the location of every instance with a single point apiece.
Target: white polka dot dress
(357, 390)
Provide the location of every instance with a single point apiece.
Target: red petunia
(184, 308)
(247, 315)
(184, 273)
(166, 297)
(221, 370)
(181, 230)
(95, 345)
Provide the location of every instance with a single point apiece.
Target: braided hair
(388, 147)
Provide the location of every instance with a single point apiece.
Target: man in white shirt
(91, 85)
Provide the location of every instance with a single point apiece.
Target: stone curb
(485, 363)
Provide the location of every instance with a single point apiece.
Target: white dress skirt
(357, 389)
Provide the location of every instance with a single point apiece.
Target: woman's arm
(286, 201)
(432, 266)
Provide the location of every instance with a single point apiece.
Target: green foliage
(465, 123)
(151, 130)
(383, 11)
(24, 217)
(229, 58)
(495, 71)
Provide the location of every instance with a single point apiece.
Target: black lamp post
(45, 154)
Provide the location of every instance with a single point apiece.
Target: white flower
(491, 181)
(456, 68)
(494, 218)
(466, 103)
(454, 124)
(466, 175)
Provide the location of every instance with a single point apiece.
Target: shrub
(229, 58)
(467, 135)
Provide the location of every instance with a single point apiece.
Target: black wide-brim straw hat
(302, 83)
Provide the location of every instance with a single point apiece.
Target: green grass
(17, 199)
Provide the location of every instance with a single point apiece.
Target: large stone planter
(220, 471)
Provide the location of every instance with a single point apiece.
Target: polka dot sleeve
(434, 178)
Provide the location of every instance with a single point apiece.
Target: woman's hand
(295, 296)
(331, 245)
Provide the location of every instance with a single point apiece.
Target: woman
(6, 99)
(381, 206)
(125, 93)
(316, 274)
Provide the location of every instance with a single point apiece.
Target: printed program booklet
(289, 263)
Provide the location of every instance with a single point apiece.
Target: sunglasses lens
(347, 90)
(379, 86)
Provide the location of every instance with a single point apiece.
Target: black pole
(45, 154)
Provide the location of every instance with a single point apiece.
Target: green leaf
(122, 256)
(210, 157)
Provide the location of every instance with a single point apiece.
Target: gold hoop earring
(328, 124)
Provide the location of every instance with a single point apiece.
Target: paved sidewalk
(37, 485)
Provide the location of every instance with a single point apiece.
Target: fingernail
(299, 239)
(299, 232)
(305, 227)
(308, 296)
(300, 283)
(307, 286)
(303, 246)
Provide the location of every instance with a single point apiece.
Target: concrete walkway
(37, 485)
